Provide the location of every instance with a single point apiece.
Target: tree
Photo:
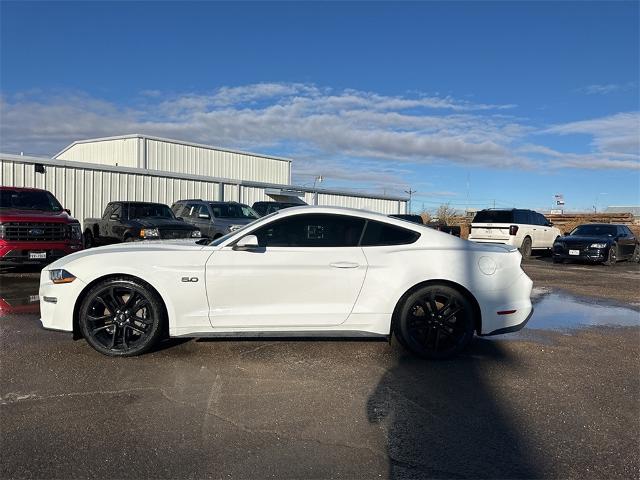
(445, 213)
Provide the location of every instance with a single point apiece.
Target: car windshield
(224, 238)
(145, 210)
(233, 210)
(493, 216)
(596, 230)
(29, 200)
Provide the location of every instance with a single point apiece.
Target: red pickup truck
(34, 228)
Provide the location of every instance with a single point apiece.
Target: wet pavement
(562, 399)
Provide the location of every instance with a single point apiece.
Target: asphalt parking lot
(557, 400)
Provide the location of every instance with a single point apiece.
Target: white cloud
(604, 89)
(358, 136)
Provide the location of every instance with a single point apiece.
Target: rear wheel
(525, 249)
(435, 322)
(121, 317)
(612, 257)
(636, 254)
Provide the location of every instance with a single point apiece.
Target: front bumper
(586, 254)
(57, 302)
(18, 253)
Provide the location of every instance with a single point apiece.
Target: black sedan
(596, 242)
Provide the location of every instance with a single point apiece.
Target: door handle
(344, 265)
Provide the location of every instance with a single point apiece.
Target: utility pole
(410, 193)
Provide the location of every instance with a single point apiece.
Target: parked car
(408, 217)
(34, 228)
(598, 242)
(301, 271)
(214, 219)
(131, 221)
(265, 208)
(524, 229)
(442, 226)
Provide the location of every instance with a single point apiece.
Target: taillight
(513, 229)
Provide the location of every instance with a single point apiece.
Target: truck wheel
(525, 249)
(88, 239)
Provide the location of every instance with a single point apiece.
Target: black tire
(636, 254)
(525, 249)
(612, 258)
(435, 322)
(109, 322)
(89, 241)
(558, 259)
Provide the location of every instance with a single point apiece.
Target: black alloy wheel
(612, 257)
(525, 249)
(636, 254)
(88, 239)
(121, 317)
(436, 322)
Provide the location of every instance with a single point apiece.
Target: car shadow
(442, 419)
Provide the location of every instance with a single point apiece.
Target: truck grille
(168, 234)
(35, 232)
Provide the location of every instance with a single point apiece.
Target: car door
(308, 272)
(203, 220)
(626, 241)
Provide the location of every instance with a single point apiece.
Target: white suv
(524, 229)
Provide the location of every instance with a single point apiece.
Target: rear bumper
(501, 241)
(512, 328)
(506, 310)
(18, 253)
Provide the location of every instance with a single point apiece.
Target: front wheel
(121, 317)
(435, 322)
(636, 254)
(612, 257)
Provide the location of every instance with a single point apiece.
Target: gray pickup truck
(214, 219)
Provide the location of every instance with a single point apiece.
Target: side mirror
(180, 218)
(68, 211)
(247, 243)
(205, 216)
(114, 216)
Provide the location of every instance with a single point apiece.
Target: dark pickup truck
(131, 221)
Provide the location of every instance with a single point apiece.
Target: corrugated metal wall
(86, 189)
(124, 152)
(175, 157)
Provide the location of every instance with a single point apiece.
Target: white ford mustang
(302, 271)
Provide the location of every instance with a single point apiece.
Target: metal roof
(169, 140)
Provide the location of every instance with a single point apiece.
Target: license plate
(37, 255)
(574, 252)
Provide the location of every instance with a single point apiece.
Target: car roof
(23, 189)
(601, 225)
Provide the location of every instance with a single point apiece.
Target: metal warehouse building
(88, 174)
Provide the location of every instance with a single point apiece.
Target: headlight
(196, 234)
(76, 232)
(61, 276)
(598, 245)
(150, 233)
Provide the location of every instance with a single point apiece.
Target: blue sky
(467, 103)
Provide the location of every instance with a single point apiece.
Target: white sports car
(302, 271)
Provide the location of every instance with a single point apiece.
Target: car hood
(163, 223)
(168, 246)
(586, 238)
(15, 215)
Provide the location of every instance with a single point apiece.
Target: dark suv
(214, 219)
(265, 208)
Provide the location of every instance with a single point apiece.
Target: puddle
(555, 311)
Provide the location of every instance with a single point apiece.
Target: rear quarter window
(378, 234)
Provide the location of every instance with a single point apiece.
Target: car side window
(117, 210)
(621, 231)
(379, 234)
(190, 211)
(176, 209)
(628, 231)
(203, 210)
(312, 230)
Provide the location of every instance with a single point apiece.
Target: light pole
(410, 193)
(595, 207)
(317, 179)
